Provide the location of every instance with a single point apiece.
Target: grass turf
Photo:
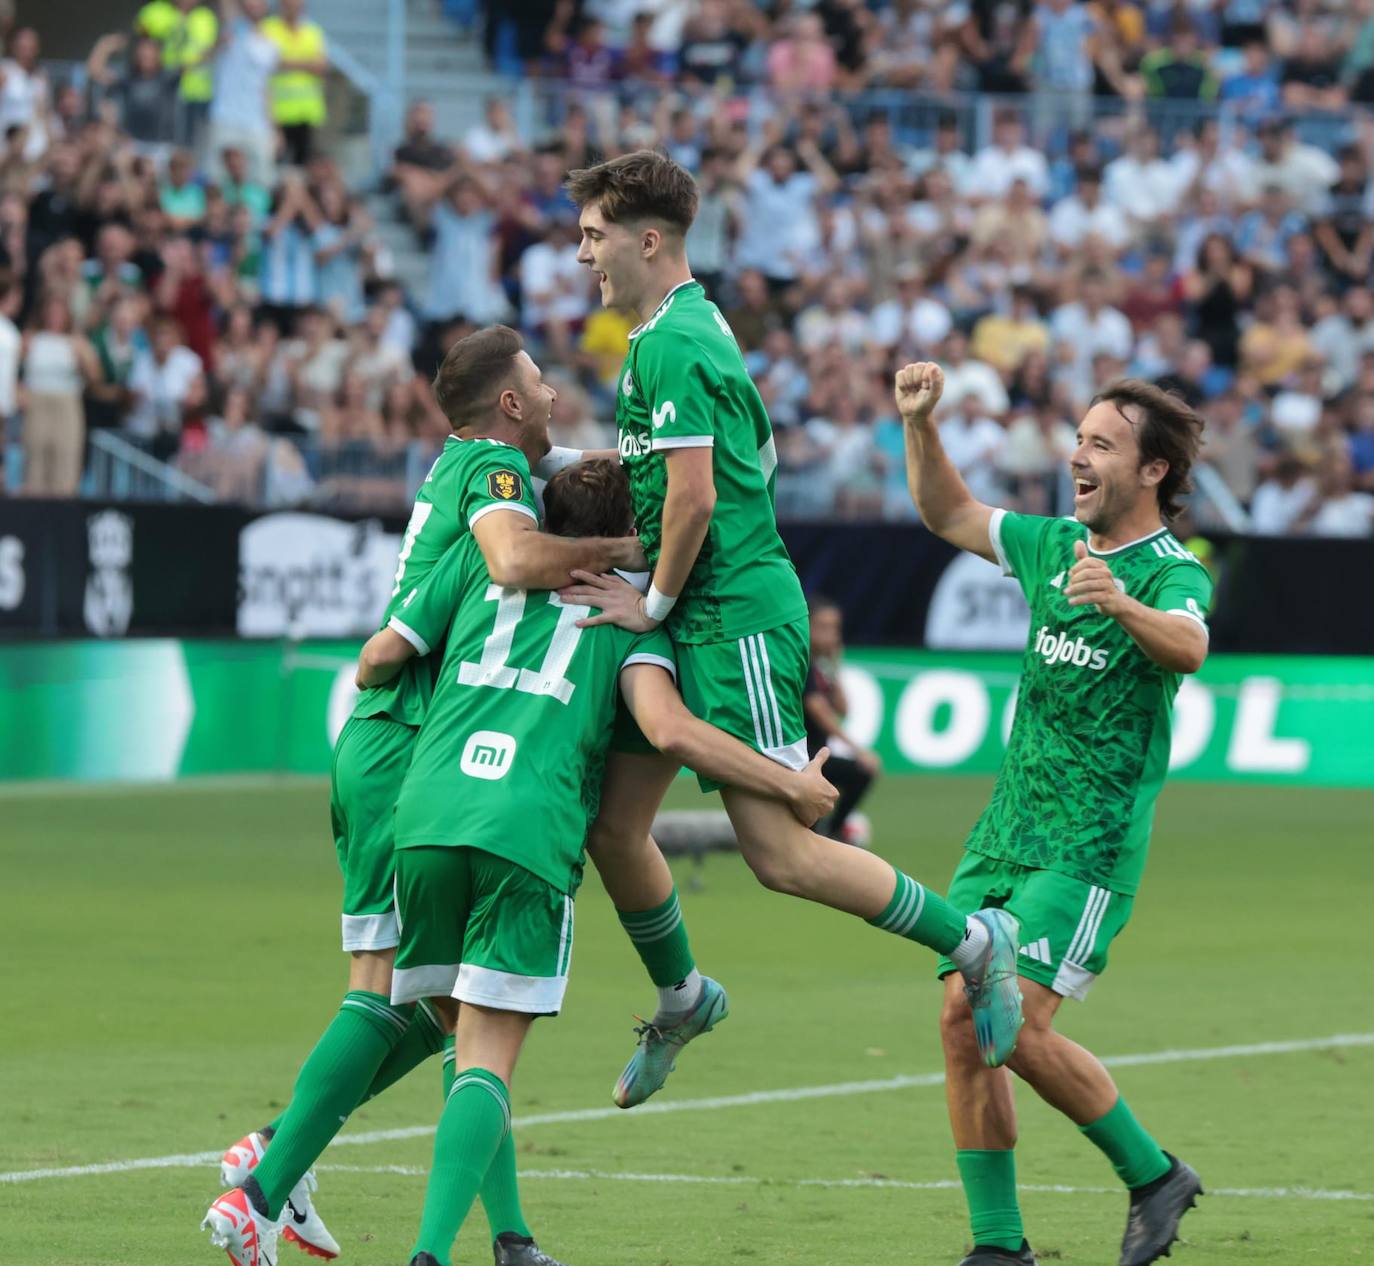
(173, 957)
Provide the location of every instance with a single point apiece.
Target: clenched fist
(918, 390)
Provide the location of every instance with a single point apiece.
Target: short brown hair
(644, 185)
(474, 367)
(1166, 430)
(589, 499)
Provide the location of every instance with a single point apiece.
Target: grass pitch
(173, 954)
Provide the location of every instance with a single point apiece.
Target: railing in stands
(121, 471)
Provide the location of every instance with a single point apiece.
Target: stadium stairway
(442, 64)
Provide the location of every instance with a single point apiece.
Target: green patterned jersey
(469, 479)
(1089, 746)
(684, 385)
(522, 709)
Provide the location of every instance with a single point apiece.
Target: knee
(607, 839)
(956, 1030)
(776, 871)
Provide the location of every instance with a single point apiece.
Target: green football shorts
(481, 929)
(752, 689)
(1066, 924)
(370, 762)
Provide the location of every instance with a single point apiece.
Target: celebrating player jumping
(1118, 611)
(698, 447)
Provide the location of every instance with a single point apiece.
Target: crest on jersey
(504, 484)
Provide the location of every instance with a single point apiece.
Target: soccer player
(499, 407)
(1118, 614)
(492, 817)
(697, 445)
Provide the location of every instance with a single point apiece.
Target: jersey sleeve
(1018, 540)
(681, 385)
(1186, 591)
(653, 647)
(423, 615)
(498, 479)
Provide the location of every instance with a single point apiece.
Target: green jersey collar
(662, 308)
(1162, 530)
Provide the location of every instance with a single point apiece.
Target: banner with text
(159, 709)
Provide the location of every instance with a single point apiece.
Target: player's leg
(982, 1111)
(514, 955)
(641, 887)
(1068, 926)
(752, 688)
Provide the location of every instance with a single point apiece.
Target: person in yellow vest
(187, 31)
(298, 86)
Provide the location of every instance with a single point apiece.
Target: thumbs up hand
(1091, 583)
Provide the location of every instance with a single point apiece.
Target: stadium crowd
(1042, 196)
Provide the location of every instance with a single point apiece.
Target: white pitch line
(877, 1184)
(793, 1094)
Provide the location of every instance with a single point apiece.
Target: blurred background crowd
(1042, 196)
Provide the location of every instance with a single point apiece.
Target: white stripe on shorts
(1080, 948)
(753, 700)
(768, 682)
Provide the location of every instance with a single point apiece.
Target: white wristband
(657, 605)
(555, 459)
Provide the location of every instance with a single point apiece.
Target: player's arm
(658, 709)
(947, 507)
(520, 556)
(1173, 634)
(381, 658)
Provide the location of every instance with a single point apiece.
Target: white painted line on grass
(877, 1184)
(794, 1094)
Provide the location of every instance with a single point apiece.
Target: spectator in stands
(58, 362)
(1140, 183)
(11, 354)
(834, 321)
(288, 283)
(315, 361)
(852, 767)
(965, 376)
(555, 289)
(779, 215)
(186, 32)
(243, 67)
(1005, 339)
(1006, 160)
(912, 319)
(1361, 442)
(1344, 510)
(493, 140)
(1215, 291)
(297, 86)
(144, 94)
(802, 60)
(712, 50)
(1232, 448)
(1297, 408)
(1311, 78)
(1277, 344)
(343, 244)
(1181, 71)
(1344, 233)
(168, 390)
(1090, 325)
(239, 189)
(1304, 172)
(235, 451)
(420, 166)
(974, 443)
(182, 197)
(1282, 500)
(380, 365)
(997, 40)
(465, 262)
(1084, 214)
(1254, 91)
(25, 98)
(1034, 453)
(1016, 223)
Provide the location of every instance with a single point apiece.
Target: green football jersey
(469, 479)
(1089, 746)
(523, 708)
(684, 385)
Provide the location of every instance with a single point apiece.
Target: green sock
(424, 1037)
(475, 1119)
(1134, 1155)
(921, 915)
(989, 1180)
(501, 1191)
(449, 1058)
(660, 939)
(331, 1082)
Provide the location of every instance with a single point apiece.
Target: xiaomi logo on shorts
(488, 754)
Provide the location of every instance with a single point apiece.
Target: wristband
(657, 605)
(555, 459)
